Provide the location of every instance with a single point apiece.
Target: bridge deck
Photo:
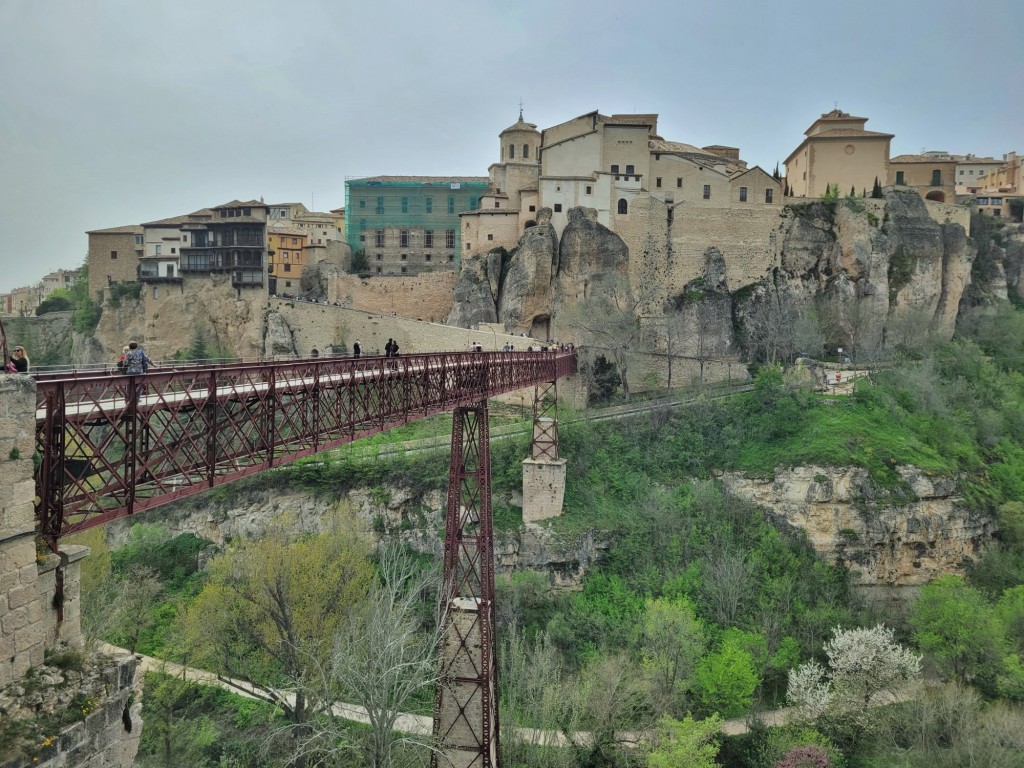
(111, 446)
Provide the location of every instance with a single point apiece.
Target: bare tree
(608, 321)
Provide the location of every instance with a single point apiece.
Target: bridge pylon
(466, 695)
(543, 470)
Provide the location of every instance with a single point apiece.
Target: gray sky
(117, 113)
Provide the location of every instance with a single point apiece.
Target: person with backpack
(136, 363)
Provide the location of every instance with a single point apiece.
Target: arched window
(526, 150)
(623, 205)
(511, 151)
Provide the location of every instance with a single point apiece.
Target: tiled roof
(240, 204)
(130, 229)
(630, 119)
(920, 159)
(520, 125)
(289, 231)
(196, 217)
(426, 179)
(851, 133)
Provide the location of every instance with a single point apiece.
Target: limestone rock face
(891, 551)
(589, 252)
(526, 290)
(417, 519)
(279, 339)
(703, 313)
(476, 291)
(315, 278)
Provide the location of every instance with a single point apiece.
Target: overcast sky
(115, 113)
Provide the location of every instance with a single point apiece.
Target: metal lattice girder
(545, 421)
(466, 696)
(113, 445)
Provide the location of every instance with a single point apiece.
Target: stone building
(113, 257)
(605, 163)
(933, 177)
(838, 150)
(287, 257)
(409, 224)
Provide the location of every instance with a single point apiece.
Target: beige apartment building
(113, 257)
(933, 177)
(838, 150)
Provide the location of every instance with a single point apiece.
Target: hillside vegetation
(700, 608)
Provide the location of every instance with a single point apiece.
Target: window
(615, 169)
(936, 178)
(426, 257)
(428, 238)
(405, 270)
(451, 204)
(362, 238)
(533, 208)
(156, 292)
(468, 246)
(380, 238)
(962, 172)
(174, 250)
(982, 201)
(526, 150)
(287, 283)
(380, 205)
(899, 177)
(657, 182)
(996, 212)
(679, 182)
(497, 204)
(380, 257)
(405, 205)
(295, 241)
(511, 151)
(113, 255)
(472, 203)
(707, 191)
(768, 195)
(362, 203)
(158, 247)
(379, 270)
(405, 257)
(403, 238)
(490, 237)
(743, 194)
(451, 257)
(590, 191)
(623, 205)
(429, 204)
(629, 170)
(287, 267)
(558, 207)
(997, 201)
(138, 239)
(449, 238)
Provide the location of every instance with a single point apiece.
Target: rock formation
(526, 290)
(890, 549)
(278, 339)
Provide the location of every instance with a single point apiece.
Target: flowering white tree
(866, 668)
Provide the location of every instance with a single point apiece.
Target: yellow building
(838, 150)
(933, 177)
(287, 258)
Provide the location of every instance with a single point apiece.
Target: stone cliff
(891, 549)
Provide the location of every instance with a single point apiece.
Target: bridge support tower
(544, 471)
(466, 696)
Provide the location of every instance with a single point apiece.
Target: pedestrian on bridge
(18, 362)
(136, 363)
(357, 348)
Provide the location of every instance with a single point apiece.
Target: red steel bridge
(113, 446)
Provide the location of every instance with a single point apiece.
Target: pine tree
(775, 173)
(853, 191)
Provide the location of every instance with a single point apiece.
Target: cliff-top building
(933, 176)
(838, 150)
(409, 224)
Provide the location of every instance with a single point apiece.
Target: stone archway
(540, 327)
(939, 197)
(530, 223)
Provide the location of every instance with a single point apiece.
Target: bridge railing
(111, 446)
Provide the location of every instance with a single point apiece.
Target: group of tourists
(134, 361)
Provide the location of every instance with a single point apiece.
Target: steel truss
(466, 696)
(545, 422)
(112, 446)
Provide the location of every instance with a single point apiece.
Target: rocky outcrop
(526, 290)
(418, 520)
(476, 292)
(279, 339)
(702, 313)
(890, 549)
(589, 252)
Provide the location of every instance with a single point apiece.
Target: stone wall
(28, 615)
(103, 696)
(428, 295)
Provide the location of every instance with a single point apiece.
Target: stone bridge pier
(39, 591)
(544, 471)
